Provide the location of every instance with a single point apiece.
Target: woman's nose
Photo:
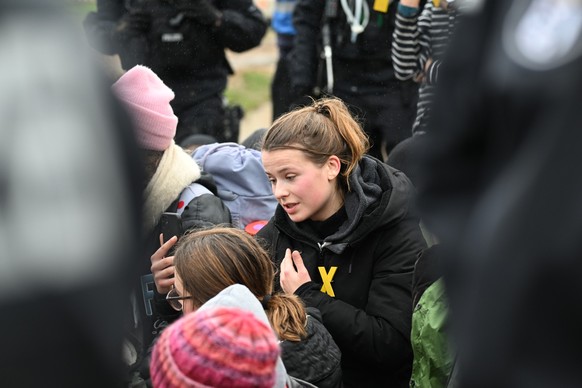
(279, 190)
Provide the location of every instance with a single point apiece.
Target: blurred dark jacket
(364, 64)
(188, 56)
(498, 190)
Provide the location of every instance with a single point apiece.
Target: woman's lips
(290, 207)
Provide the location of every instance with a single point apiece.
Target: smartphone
(171, 225)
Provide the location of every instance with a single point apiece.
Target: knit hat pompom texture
(217, 347)
(147, 100)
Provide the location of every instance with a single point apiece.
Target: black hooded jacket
(373, 251)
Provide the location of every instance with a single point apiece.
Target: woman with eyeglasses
(209, 260)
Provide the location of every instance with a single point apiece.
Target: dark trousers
(204, 117)
(387, 116)
(281, 95)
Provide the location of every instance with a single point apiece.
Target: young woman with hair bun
(345, 238)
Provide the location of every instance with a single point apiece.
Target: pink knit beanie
(215, 347)
(147, 99)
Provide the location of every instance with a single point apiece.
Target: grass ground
(249, 88)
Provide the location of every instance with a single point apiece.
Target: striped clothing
(415, 40)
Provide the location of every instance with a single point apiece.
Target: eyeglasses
(175, 300)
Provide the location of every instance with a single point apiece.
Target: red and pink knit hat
(147, 100)
(215, 347)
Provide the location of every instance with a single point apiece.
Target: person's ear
(333, 165)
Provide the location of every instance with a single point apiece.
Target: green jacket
(433, 359)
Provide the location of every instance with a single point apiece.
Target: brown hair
(323, 129)
(209, 260)
(151, 161)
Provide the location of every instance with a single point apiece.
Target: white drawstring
(361, 7)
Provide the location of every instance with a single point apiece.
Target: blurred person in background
(174, 183)
(282, 23)
(183, 42)
(420, 39)
(356, 36)
(69, 206)
(497, 188)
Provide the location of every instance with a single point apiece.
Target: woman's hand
(163, 267)
(291, 279)
(421, 77)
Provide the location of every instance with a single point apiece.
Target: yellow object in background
(436, 3)
(381, 5)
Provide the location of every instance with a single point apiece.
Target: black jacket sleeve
(205, 210)
(427, 270)
(307, 19)
(243, 25)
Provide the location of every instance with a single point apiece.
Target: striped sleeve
(405, 44)
(411, 42)
(432, 73)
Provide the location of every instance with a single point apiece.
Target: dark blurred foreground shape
(69, 206)
(342, 49)
(500, 189)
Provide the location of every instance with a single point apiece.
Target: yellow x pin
(327, 278)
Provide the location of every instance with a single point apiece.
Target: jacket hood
(241, 297)
(379, 195)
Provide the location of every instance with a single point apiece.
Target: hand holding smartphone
(162, 260)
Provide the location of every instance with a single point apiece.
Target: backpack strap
(189, 193)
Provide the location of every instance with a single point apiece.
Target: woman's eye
(290, 177)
